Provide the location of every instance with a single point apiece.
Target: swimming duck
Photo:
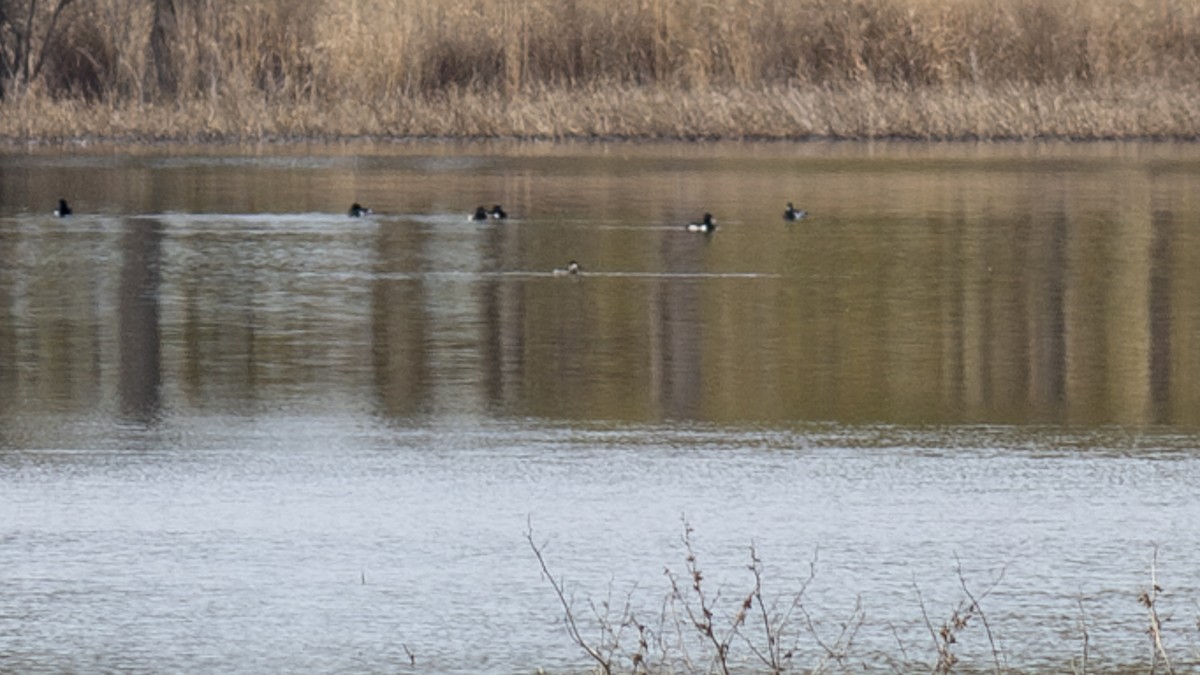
(571, 269)
(793, 213)
(480, 214)
(358, 210)
(63, 209)
(498, 213)
(707, 225)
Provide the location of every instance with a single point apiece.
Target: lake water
(241, 431)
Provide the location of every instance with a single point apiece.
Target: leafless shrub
(946, 635)
(725, 629)
(700, 629)
(601, 651)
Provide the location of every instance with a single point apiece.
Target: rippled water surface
(241, 431)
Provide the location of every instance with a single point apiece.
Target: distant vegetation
(674, 68)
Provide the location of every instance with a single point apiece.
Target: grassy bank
(638, 68)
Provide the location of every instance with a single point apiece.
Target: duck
(571, 269)
(498, 213)
(706, 225)
(63, 209)
(480, 214)
(793, 213)
(358, 210)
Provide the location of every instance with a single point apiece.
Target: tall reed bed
(615, 66)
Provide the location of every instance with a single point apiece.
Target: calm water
(243, 432)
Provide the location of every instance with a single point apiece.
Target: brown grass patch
(554, 68)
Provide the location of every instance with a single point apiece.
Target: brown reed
(644, 68)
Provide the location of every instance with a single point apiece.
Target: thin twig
(899, 642)
(946, 659)
(704, 622)
(771, 657)
(1149, 598)
(569, 613)
(1084, 629)
(977, 608)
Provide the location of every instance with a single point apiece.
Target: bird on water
(792, 213)
(571, 269)
(706, 225)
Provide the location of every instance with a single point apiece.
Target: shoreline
(282, 141)
(1153, 111)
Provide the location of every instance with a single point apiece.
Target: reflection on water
(234, 420)
(990, 284)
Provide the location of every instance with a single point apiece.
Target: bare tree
(28, 30)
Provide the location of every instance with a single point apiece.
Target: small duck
(793, 213)
(706, 226)
(358, 210)
(498, 213)
(571, 269)
(480, 214)
(63, 209)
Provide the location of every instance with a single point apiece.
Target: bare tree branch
(569, 613)
(1149, 598)
(47, 38)
(977, 608)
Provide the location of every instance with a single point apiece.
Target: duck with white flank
(571, 269)
(358, 210)
(793, 213)
(706, 225)
(498, 213)
(63, 209)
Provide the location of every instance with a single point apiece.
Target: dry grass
(866, 111)
(660, 68)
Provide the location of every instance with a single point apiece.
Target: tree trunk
(163, 35)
